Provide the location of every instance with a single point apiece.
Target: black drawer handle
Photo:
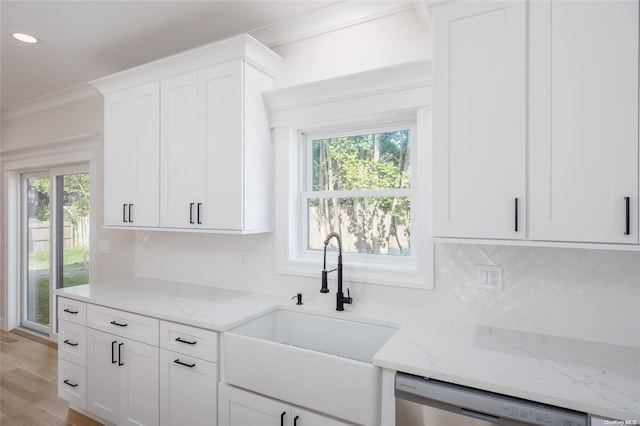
(113, 352)
(177, 361)
(120, 363)
(191, 213)
(198, 214)
(68, 383)
(119, 324)
(284, 413)
(179, 339)
(124, 213)
(69, 311)
(295, 420)
(516, 215)
(70, 343)
(627, 202)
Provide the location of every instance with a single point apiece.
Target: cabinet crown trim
(242, 47)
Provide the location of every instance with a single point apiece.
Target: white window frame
(68, 152)
(397, 95)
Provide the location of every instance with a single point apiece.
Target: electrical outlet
(244, 259)
(489, 277)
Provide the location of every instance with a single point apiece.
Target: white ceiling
(83, 40)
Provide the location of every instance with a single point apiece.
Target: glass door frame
(54, 247)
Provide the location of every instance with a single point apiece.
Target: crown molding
(64, 147)
(63, 97)
(332, 17)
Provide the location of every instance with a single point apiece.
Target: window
(56, 224)
(359, 185)
(353, 155)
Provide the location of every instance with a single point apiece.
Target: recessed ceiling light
(26, 38)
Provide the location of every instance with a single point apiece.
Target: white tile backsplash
(586, 294)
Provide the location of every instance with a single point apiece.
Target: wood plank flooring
(28, 385)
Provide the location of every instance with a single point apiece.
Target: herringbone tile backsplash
(589, 294)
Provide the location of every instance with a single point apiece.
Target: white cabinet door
(182, 153)
(221, 118)
(132, 149)
(103, 375)
(139, 388)
(584, 121)
(188, 390)
(122, 379)
(479, 83)
(242, 408)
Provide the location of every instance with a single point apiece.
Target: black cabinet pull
(70, 343)
(119, 324)
(68, 383)
(69, 311)
(282, 418)
(295, 421)
(627, 202)
(179, 339)
(124, 213)
(198, 213)
(177, 361)
(130, 210)
(191, 213)
(120, 363)
(113, 352)
(516, 214)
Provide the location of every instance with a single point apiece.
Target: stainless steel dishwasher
(426, 402)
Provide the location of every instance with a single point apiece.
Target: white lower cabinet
(188, 390)
(122, 379)
(130, 369)
(238, 407)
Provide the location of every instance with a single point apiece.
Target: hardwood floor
(28, 385)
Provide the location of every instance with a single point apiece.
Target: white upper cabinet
(182, 152)
(584, 121)
(197, 149)
(479, 87)
(132, 152)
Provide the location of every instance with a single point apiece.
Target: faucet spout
(340, 298)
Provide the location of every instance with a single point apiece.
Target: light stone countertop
(596, 378)
(205, 307)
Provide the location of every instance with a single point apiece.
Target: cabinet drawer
(72, 343)
(72, 381)
(190, 341)
(72, 311)
(132, 326)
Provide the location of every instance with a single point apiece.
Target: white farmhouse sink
(310, 360)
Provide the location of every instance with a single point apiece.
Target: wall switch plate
(489, 277)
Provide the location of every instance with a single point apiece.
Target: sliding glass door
(55, 244)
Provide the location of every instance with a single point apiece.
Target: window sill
(396, 272)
